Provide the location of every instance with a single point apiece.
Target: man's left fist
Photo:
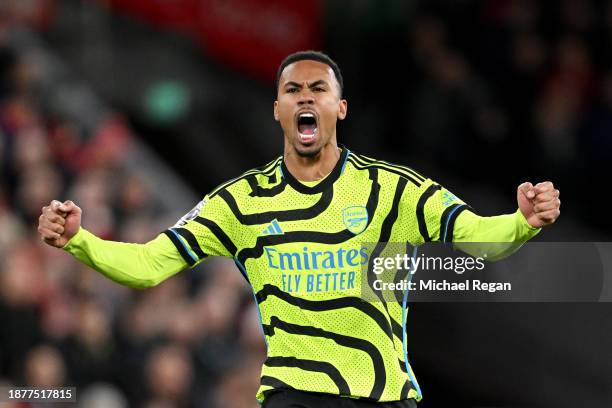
(539, 204)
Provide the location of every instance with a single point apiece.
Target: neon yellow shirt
(301, 247)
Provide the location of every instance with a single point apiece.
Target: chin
(308, 151)
(311, 149)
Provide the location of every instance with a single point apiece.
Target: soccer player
(298, 229)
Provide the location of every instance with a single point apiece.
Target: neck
(311, 168)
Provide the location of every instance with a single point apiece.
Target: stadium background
(134, 109)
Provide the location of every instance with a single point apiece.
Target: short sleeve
(204, 231)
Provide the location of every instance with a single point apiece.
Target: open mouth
(307, 126)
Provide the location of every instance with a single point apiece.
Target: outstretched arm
(135, 265)
(501, 235)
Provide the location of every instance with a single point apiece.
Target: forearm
(492, 237)
(135, 265)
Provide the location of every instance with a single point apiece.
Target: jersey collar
(323, 185)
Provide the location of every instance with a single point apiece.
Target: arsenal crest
(355, 218)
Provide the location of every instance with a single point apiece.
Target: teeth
(306, 138)
(306, 115)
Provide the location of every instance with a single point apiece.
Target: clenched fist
(59, 222)
(539, 204)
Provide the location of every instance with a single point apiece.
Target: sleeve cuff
(77, 239)
(525, 230)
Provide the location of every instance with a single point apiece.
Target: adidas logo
(273, 229)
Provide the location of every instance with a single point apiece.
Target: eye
(318, 89)
(292, 90)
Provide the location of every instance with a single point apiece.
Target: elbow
(141, 284)
(149, 283)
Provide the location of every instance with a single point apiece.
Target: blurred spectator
(169, 374)
(564, 99)
(22, 280)
(10, 225)
(91, 351)
(40, 184)
(135, 197)
(238, 384)
(454, 110)
(251, 332)
(19, 315)
(101, 395)
(94, 191)
(45, 368)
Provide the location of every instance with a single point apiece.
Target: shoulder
(268, 171)
(363, 162)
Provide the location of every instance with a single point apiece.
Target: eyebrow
(311, 85)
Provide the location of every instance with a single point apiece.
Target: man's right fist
(59, 222)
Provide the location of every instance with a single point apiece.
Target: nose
(306, 97)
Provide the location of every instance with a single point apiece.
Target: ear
(276, 111)
(343, 109)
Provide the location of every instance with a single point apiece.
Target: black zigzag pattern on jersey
(218, 233)
(323, 185)
(269, 170)
(405, 390)
(383, 239)
(259, 170)
(420, 210)
(399, 167)
(313, 236)
(180, 247)
(259, 191)
(327, 305)
(362, 166)
(402, 274)
(312, 365)
(287, 215)
(385, 235)
(408, 384)
(361, 163)
(274, 382)
(192, 241)
(380, 375)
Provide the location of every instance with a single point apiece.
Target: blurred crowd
(522, 88)
(193, 341)
(530, 80)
